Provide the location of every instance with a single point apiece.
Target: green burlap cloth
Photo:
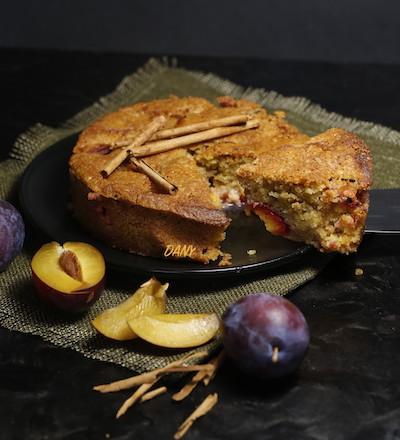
(19, 308)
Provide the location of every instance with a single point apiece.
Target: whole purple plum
(266, 335)
(12, 233)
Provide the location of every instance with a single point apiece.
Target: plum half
(266, 335)
(12, 233)
(70, 276)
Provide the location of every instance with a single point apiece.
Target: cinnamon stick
(216, 363)
(152, 394)
(125, 384)
(144, 136)
(142, 390)
(190, 139)
(206, 406)
(187, 369)
(201, 126)
(155, 177)
(190, 386)
(204, 375)
(188, 129)
(148, 377)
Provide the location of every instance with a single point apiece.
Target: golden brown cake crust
(274, 130)
(318, 189)
(331, 157)
(193, 199)
(145, 231)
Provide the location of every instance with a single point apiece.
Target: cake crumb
(358, 271)
(226, 260)
(251, 252)
(93, 196)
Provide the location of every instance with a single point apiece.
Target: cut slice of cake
(315, 192)
(222, 157)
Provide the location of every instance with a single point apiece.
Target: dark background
(344, 31)
(342, 55)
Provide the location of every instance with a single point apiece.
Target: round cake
(128, 210)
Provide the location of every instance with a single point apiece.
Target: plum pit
(69, 263)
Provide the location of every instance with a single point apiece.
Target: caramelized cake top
(194, 198)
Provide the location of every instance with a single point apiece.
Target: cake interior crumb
(222, 176)
(313, 214)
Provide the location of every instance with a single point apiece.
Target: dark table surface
(348, 387)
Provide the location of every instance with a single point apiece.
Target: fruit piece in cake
(176, 330)
(273, 221)
(319, 188)
(149, 299)
(69, 276)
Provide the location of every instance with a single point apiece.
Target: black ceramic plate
(44, 199)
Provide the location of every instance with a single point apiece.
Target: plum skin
(255, 325)
(69, 302)
(12, 233)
